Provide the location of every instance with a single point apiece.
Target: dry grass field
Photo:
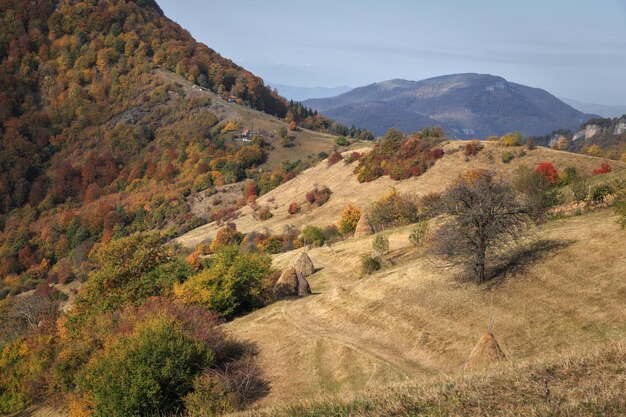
(414, 320)
(589, 383)
(346, 189)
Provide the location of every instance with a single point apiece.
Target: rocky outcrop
(620, 127)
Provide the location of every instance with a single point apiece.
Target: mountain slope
(304, 93)
(111, 115)
(413, 319)
(604, 110)
(464, 105)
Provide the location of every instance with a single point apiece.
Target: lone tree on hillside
(485, 217)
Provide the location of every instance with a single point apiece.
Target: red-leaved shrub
(293, 208)
(604, 169)
(334, 158)
(547, 170)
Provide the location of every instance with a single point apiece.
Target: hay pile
(292, 281)
(303, 265)
(363, 227)
(287, 284)
(486, 352)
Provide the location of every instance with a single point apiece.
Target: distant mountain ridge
(464, 105)
(604, 110)
(297, 93)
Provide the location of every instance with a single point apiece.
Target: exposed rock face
(580, 134)
(363, 227)
(592, 130)
(620, 128)
(303, 265)
(557, 141)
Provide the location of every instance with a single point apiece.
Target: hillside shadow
(518, 261)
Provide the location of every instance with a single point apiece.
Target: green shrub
(369, 264)
(601, 192)
(341, 141)
(380, 244)
(312, 235)
(538, 193)
(507, 157)
(416, 237)
(232, 284)
(511, 139)
(146, 373)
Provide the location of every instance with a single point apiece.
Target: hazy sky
(572, 48)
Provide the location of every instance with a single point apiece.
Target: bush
(393, 210)
(511, 139)
(348, 220)
(601, 192)
(547, 171)
(231, 285)
(145, 373)
(507, 157)
(312, 235)
(604, 169)
(354, 156)
(580, 189)
(416, 237)
(264, 213)
(369, 264)
(334, 158)
(473, 148)
(538, 193)
(341, 141)
(530, 144)
(401, 156)
(131, 270)
(619, 204)
(227, 235)
(567, 176)
(293, 208)
(318, 195)
(380, 244)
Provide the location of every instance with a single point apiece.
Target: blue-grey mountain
(464, 105)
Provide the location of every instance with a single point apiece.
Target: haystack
(303, 285)
(363, 227)
(287, 284)
(486, 352)
(303, 265)
(291, 283)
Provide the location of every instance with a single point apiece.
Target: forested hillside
(103, 135)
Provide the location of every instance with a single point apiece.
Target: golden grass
(346, 189)
(578, 384)
(414, 320)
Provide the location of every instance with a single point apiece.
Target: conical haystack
(303, 265)
(287, 284)
(486, 352)
(291, 283)
(303, 285)
(363, 227)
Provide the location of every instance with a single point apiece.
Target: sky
(571, 48)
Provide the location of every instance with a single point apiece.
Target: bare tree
(484, 217)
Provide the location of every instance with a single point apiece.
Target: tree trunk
(479, 267)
